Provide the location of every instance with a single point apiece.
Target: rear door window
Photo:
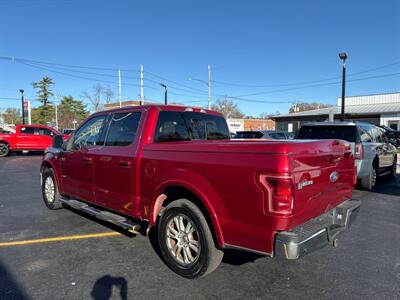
(28, 130)
(347, 133)
(185, 126)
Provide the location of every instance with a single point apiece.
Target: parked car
(67, 133)
(392, 135)
(374, 154)
(264, 134)
(177, 169)
(27, 138)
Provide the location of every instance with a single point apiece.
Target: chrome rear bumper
(317, 232)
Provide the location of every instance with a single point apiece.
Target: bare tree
(98, 95)
(227, 108)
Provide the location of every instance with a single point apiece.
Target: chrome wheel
(49, 189)
(183, 240)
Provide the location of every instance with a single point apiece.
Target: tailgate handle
(125, 163)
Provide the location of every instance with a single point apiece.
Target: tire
(368, 183)
(393, 168)
(50, 191)
(4, 149)
(186, 261)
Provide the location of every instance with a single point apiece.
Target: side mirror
(58, 141)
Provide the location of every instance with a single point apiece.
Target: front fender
(50, 161)
(196, 184)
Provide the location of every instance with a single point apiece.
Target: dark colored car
(264, 134)
(392, 135)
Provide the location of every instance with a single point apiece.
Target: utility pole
(165, 92)
(23, 108)
(343, 57)
(209, 87)
(119, 88)
(141, 85)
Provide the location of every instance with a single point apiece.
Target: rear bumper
(317, 232)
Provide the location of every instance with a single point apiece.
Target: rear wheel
(50, 194)
(186, 241)
(368, 183)
(4, 149)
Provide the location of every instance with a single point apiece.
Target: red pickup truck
(27, 137)
(176, 168)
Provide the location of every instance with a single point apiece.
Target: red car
(177, 169)
(27, 137)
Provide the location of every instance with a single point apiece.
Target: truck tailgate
(321, 180)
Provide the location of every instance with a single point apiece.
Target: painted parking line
(60, 238)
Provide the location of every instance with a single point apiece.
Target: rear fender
(197, 185)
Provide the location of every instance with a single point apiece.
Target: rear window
(249, 135)
(347, 133)
(185, 126)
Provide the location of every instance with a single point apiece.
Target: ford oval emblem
(334, 176)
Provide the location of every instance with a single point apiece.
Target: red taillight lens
(279, 194)
(359, 153)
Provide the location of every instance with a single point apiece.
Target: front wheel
(186, 241)
(4, 149)
(49, 190)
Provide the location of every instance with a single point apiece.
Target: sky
(264, 55)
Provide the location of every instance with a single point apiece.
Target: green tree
(45, 112)
(12, 116)
(227, 108)
(71, 109)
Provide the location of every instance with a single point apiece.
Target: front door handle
(125, 163)
(87, 159)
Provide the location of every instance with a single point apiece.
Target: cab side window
(27, 130)
(88, 135)
(43, 131)
(123, 128)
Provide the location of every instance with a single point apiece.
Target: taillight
(359, 153)
(278, 194)
(355, 175)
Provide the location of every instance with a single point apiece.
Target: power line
(316, 85)
(11, 58)
(305, 82)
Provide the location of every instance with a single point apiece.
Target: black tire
(368, 183)
(54, 201)
(4, 149)
(208, 257)
(393, 168)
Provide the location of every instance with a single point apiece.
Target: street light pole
(343, 57)
(209, 87)
(165, 92)
(23, 109)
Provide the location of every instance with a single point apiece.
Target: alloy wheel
(183, 240)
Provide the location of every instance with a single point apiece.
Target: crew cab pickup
(27, 137)
(175, 169)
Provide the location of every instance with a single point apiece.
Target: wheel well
(174, 193)
(375, 163)
(4, 142)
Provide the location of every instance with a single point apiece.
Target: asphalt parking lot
(80, 258)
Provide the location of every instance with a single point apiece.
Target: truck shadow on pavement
(103, 288)
(9, 288)
(388, 186)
